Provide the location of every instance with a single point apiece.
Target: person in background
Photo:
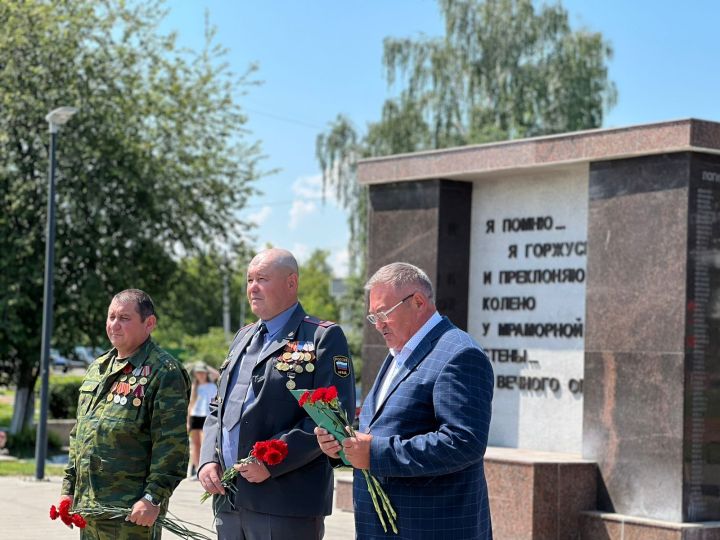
(202, 392)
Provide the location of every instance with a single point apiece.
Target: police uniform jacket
(302, 484)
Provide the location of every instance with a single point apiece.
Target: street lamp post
(55, 119)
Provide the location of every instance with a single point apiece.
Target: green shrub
(63, 396)
(22, 444)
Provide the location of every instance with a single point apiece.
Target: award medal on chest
(296, 358)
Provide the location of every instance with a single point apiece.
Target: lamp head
(59, 116)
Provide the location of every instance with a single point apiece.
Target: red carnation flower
(54, 514)
(270, 452)
(330, 394)
(273, 457)
(317, 395)
(303, 399)
(66, 519)
(65, 507)
(78, 521)
(259, 450)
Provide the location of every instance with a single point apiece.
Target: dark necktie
(234, 403)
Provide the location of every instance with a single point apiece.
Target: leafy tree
(504, 69)
(194, 302)
(155, 164)
(210, 347)
(314, 289)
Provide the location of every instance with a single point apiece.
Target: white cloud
(310, 187)
(260, 216)
(299, 210)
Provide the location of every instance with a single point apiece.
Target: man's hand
(357, 450)
(143, 513)
(210, 476)
(253, 472)
(328, 444)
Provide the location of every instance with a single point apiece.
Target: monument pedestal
(533, 495)
(603, 526)
(538, 495)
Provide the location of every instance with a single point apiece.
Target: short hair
(399, 275)
(280, 258)
(143, 303)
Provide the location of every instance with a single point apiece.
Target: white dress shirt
(403, 355)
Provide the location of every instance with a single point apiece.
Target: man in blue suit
(424, 424)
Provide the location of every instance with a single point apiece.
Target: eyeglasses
(382, 316)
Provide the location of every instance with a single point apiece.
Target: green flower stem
(389, 510)
(172, 524)
(371, 490)
(380, 500)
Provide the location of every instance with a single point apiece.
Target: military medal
(292, 358)
(110, 397)
(145, 372)
(116, 399)
(123, 400)
(138, 393)
(132, 380)
(127, 369)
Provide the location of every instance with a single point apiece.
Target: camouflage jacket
(130, 437)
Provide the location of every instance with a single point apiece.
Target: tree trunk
(23, 409)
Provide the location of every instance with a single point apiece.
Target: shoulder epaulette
(315, 320)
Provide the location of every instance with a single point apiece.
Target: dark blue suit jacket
(429, 439)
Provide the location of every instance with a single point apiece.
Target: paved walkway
(25, 503)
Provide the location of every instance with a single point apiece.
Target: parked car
(84, 354)
(63, 363)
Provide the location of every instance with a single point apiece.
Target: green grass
(26, 467)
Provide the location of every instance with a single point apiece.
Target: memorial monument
(588, 266)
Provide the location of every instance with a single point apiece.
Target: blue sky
(318, 58)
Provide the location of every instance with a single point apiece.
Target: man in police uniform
(285, 349)
(129, 446)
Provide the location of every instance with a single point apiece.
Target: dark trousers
(243, 524)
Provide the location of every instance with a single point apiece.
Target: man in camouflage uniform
(129, 446)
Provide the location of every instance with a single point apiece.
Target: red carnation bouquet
(269, 452)
(174, 525)
(323, 406)
(68, 518)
